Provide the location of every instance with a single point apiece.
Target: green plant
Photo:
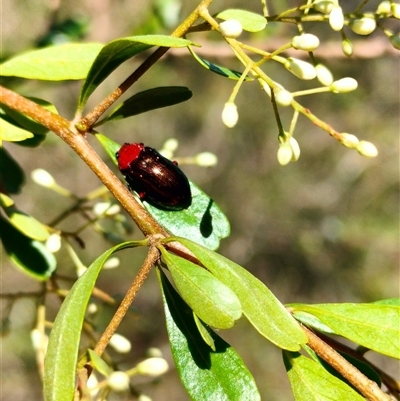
(209, 290)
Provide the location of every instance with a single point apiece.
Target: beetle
(156, 179)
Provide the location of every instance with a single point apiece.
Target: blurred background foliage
(323, 229)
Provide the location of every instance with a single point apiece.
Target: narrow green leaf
(374, 326)
(31, 256)
(310, 381)
(5, 201)
(212, 301)
(204, 332)
(205, 374)
(12, 176)
(312, 321)
(225, 72)
(11, 133)
(54, 63)
(28, 225)
(116, 52)
(149, 100)
(99, 364)
(62, 352)
(259, 305)
(251, 22)
(203, 222)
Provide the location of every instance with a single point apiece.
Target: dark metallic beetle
(156, 179)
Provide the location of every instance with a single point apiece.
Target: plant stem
(365, 386)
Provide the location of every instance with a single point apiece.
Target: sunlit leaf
(55, 63)
(311, 382)
(116, 52)
(250, 22)
(12, 133)
(259, 305)
(375, 326)
(210, 300)
(62, 352)
(206, 375)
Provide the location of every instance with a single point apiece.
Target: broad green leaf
(11, 133)
(310, 381)
(28, 225)
(116, 52)
(251, 22)
(54, 63)
(62, 353)
(149, 100)
(203, 222)
(374, 326)
(206, 375)
(212, 301)
(225, 72)
(31, 256)
(12, 176)
(259, 305)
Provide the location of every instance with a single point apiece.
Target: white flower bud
(295, 149)
(39, 340)
(118, 381)
(53, 243)
(111, 263)
(152, 367)
(154, 352)
(283, 97)
(300, 68)
(43, 178)
(100, 208)
(367, 149)
(336, 18)
(347, 47)
(363, 26)
(395, 41)
(323, 6)
(169, 148)
(349, 140)
(344, 85)
(144, 397)
(383, 8)
(230, 115)
(120, 343)
(206, 159)
(285, 153)
(324, 75)
(395, 8)
(306, 41)
(92, 308)
(265, 86)
(231, 28)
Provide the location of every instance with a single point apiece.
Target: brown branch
(365, 386)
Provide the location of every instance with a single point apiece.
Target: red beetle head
(128, 153)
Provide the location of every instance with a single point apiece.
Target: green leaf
(204, 331)
(54, 63)
(374, 326)
(99, 364)
(259, 305)
(31, 256)
(11, 133)
(116, 52)
(203, 222)
(312, 321)
(212, 301)
(149, 100)
(12, 176)
(250, 22)
(206, 375)
(28, 225)
(225, 72)
(5, 201)
(310, 381)
(62, 353)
